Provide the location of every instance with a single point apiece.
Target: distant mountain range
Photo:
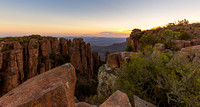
(117, 47)
(99, 41)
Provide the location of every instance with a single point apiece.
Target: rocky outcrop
(33, 53)
(159, 47)
(179, 44)
(115, 60)
(141, 103)
(192, 53)
(118, 99)
(134, 42)
(11, 72)
(22, 58)
(97, 61)
(107, 73)
(191, 30)
(53, 88)
(106, 81)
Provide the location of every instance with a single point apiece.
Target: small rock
(83, 104)
(118, 99)
(159, 46)
(141, 103)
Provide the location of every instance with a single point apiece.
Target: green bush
(52, 56)
(148, 39)
(162, 79)
(167, 37)
(129, 48)
(5, 48)
(35, 36)
(184, 36)
(170, 34)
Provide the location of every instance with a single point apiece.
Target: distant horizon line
(65, 36)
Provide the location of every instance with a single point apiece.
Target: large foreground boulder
(53, 88)
(118, 99)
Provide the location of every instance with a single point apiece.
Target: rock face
(22, 58)
(11, 72)
(118, 99)
(141, 103)
(106, 81)
(53, 88)
(191, 52)
(159, 46)
(115, 60)
(107, 73)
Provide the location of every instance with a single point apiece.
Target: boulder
(178, 44)
(83, 104)
(159, 47)
(115, 59)
(195, 42)
(53, 88)
(125, 57)
(187, 43)
(106, 81)
(191, 52)
(141, 103)
(118, 99)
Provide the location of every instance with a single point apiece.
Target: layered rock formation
(53, 88)
(22, 58)
(56, 88)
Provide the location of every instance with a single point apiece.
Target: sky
(110, 18)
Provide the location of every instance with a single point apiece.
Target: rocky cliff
(22, 58)
(173, 36)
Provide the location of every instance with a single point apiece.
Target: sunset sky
(110, 18)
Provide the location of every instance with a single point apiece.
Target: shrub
(5, 48)
(148, 39)
(52, 56)
(170, 34)
(35, 36)
(167, 37)
(184, 36)
(129, 48)
(183, 22)
(36, 46)
(162, 79)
